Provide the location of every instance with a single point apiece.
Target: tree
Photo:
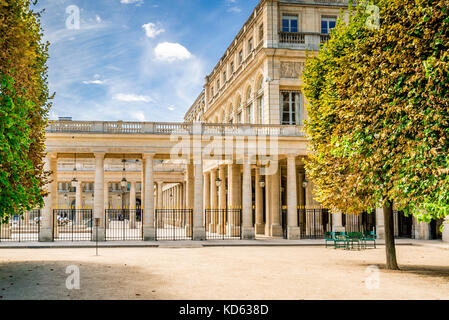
(379, 114)
(24, 109)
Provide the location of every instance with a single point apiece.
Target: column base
(446, 231)
(212, 228)
(276, 230)
(199, 234)
(45, 235)
(5, 232)
(101, 234)
(293, 233)
(260, 228)
(149, 233)
(248, 233)
(220, 229)
(338, 229)
(380, 232)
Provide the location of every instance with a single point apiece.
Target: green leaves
(378, 106)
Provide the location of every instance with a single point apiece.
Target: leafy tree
(379, 113)
(24, 108)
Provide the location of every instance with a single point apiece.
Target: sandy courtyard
(224, 273)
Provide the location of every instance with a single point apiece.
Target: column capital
(99, 154)
(148, 155)
(291, 156)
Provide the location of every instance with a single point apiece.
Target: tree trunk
(389, 238)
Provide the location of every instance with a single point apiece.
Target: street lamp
(124, 182)
(262, 183)
(304, 183)
(74, 180)
(218, 182)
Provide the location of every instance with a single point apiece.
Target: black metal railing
(223, 224)
(363, 222)
(72, 225)
(21, 228)
(123, 224)
(314, 223)
(174, 224)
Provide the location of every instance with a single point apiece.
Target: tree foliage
(24, 106)
(378, 111)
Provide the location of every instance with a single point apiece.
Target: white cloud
(138, 2)
(151, 30)
(93, 82)
(139, 116)
(172, 108)
(98, 18)
(170, 52)
(132, 98)
(235, 9)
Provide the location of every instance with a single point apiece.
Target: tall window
(327, 24)
(250, 46)
(291, 113)
(218, 85)
(249, 106)
(261, 32)
(232, 67)
(239, 110)
(289, 24)
(260, 100)
(231, 116)
(240, 56)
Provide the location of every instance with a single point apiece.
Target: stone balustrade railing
(302, 40)
(121, 127)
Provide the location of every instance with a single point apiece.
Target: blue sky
(135, 60)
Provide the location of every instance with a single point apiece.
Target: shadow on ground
(47, 280)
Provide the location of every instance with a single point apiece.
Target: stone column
(302, 201)
(260, 226)
(149, 231)
(79, 202)
(422, 230)
(207, 199)
(292, 204)
(213, 201)
(132, 205)
(276, 228)
(160, 204)
(199, 231)
(47, 219)
(234, 191)
(268, 205)
(337, 222)
(248, 232)
(106, 203)
(446, 230)
(222, 201)
(380, 227)
(99, 195)
(189, 198)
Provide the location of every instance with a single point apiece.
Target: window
(250, 46)
(249, 106)
(289, 24)
(212, 92)
(291, 113)
(232, 67)
(261, 32)
(224, 76)
(260, 108)
(239, 110)
(240, 56)
(327, 24)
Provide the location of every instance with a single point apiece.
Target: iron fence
(72, 225)
(174, 224)
(314, 223)
(123, 224)
(223, 224)
(21, 228)
(364, 222)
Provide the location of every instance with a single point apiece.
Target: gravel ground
(225, 273)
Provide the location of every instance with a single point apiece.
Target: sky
(135, 60)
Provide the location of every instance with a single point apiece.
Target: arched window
(230, 114)
(249, 106)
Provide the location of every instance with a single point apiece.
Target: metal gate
(314, 223)
(21, 228)
(72, 225)
(223, 224)
(174, 224)
(123, 224)
(363, 222)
